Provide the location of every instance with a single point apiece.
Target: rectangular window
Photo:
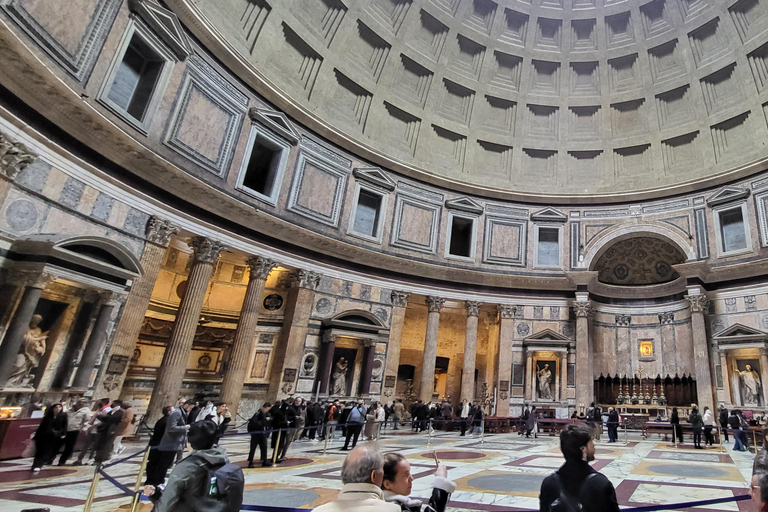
(462, 232)
(732, 231)
(367, 214)
(263, 165)
(136, 78)
(548, 250)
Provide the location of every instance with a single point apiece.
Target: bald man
(361, 473)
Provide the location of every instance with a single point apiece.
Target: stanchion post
(137, 489)
(92, 490)
(482, 430)
(325, 439)
(277, 446)
(429, 432)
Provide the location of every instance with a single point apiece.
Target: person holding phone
(398, 481)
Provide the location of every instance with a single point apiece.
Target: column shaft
(700, 352)
(399, 304)
(470, 353)
(427, 382)
(728, 399)
(504, 376)
(17, 329)
(584, 374)
(529, 380)
(764, 374)
(329, 347)
(365, 375)
(564, 376)
(93, 346)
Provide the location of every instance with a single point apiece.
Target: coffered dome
(549, 99)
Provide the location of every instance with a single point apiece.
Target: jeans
(613, 433)
(738, 445)
(697, 436)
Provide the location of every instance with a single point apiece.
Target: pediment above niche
(726, 195)
(739, 333)
(549, 215)
(375, 176)
(275, 121)
(547, 335)
(465, 204)
(165, 24)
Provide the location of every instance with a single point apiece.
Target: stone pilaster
(727, 398)
(95, 343)
(427, 381)
(240, 357)
(504, 375)
(470, 352)
(366, 371)
(698, 302)
(564, 376)
(158, 233)
(293, 336)
(174, 364)
(19, 325)
(397, 320)
(624, 355)
(764, 373)
(327, 350)
(584, 374)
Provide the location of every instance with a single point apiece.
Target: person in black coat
(613, 425)
(257, 425)
(724, 421)
(677, 430)
(154, 477)
(52, 428)
(576, 478)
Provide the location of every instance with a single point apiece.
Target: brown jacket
(125, 423)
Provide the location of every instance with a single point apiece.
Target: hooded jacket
(441, 491)
(359, 498)
(187, 485)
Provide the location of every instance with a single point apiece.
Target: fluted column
(470, 351)
(698, 302)
(95, 342)
(158, 234)
(584, 374)
(399, 305)
(435, 304)
(293, 336)
(19, 325)
(239, 358)
(506, 339)
(174, 363)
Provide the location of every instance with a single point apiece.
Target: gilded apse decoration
(638, 261)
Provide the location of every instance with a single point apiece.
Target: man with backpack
(576, 486)
(205, 480)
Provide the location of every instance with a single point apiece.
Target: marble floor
(498, 472)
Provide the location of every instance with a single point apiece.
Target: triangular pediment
(740, 332)
(275, 121)
(547, 335)
(464, 204)
(165, 24)
(549, 215)
(375, 176)
(726, 195)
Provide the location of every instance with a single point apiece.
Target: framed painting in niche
(646, 350)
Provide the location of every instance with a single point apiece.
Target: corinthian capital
(582, 309)
(472, 307)
(623, 320)
(306, 279)
(507, 311)
(435, 304)
(159, 231)
(14, 157)
(205, 249)
(697, 303)
(400, 299)
(260, 267)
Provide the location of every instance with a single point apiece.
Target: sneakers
(35, 470)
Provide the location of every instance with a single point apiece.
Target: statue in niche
(545, 382)
(749, 384)
(339, 377)
(33, 348)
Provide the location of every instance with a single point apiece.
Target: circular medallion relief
(273, 302)
(324, 306)
(21, 215)
(309, 364)
(378, 367)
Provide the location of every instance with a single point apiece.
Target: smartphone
(434, 455)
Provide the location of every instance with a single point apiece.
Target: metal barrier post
(482, 430)
(277, 446)
(137, 489)
(429, 432)
(92, 490)
(754, 441)
(325, 439)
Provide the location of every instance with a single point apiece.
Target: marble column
(530, 382)
(95, 343)
(668, 350)
(727, 398)
(158, 234)
(625, 359)
(470, 352)
(764, 374)
(328, 348)
(240, 357)
(584, 374)
(504, 376)
(698, 302)
(427, 382)
(174, 364)
(397, 320)
(293, 336)
(19, 325)
(367, 368)
(564, 376)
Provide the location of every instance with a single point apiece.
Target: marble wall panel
(416, 224)
(505, 241)
(318, 187)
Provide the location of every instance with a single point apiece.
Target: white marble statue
(339, 378)
(749, 381)
(33, 348)
(545, 382)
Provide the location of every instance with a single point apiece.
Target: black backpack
(223, 491)
(565, 502)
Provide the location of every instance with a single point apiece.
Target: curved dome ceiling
(638, 261)
(556, 98)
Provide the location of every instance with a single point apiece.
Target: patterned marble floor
(501, 472)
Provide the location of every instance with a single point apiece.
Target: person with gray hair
(361, 473)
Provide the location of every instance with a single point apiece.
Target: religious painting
(545, 379)
(117, 364)
(646, 349)
(746, 382)
(342, 371)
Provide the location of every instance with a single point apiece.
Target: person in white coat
(709, 424)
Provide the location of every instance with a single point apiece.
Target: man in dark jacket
(174, 438)
(576, 478)
(724, 421)
(613, 425)
(153, 464)
(258, 424)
